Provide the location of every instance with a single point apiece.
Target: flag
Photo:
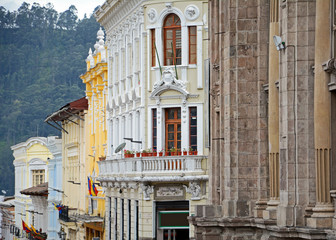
(92, 187)
(25, 227)
(58, 207)
(33, 229)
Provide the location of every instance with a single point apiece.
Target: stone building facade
(272, 158)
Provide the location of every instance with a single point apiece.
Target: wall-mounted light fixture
(279, 44)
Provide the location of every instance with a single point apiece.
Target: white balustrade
(164, 165)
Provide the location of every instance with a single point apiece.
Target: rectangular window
(122, 218)
(129, 220)
(38, 177)
(173, 128)
(154, 129)
(193, 128)
(153, 48)
(115, 218)
(192, 45)
(136, 220)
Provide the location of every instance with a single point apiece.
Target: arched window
(172, 40)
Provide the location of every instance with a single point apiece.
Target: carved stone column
(273, 114)
(323, 211)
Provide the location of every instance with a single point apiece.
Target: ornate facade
(95, 80)
(272, 164)
(156, 100)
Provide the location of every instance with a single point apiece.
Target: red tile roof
(39, 190)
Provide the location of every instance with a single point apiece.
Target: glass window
(192, 45)
(153, 47)
(193, 128)
(38, 177)
(172, 40)
(154, 129)
(173, 128)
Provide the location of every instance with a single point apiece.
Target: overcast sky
(83, 6)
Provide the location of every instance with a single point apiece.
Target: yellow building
(70, 120)
(95, 126)
(31, 169)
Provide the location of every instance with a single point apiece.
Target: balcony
(153, 168)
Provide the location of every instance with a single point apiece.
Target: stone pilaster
(296, 134)
(273, 114)
(323, 211)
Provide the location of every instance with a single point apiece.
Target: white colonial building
(32, 171)
(157, 100)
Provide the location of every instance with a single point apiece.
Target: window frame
(153, 64)
(174, 28)
(38, 173)
(190, 44)
(194, 146)
(175, 122)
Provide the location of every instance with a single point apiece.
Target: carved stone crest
(195, 190)
(191, 12)
(147, 190)
(152, 15)
(169, 79)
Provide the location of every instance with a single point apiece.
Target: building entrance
(172, 222)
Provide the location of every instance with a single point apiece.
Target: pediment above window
(168, 82)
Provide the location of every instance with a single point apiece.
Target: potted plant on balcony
(192, 151)
(154, 153)
(173, 151)
(137, 154)
(144, 153)
(161, 153)
(128, 153)
(149, 152)
(178, 151)
(185, 152)
(167, 152)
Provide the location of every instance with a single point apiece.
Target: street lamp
(62, 234)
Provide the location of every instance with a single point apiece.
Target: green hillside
(42, 53)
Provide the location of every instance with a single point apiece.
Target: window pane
(170, 145)
(193, 141)
(170, 136)
(179, 127)
(193, 131)
(179, 113)
(178, 136)
(169, 34)
(179, 145)
(171, 128)
(170, 113)
(192, 49)
(192, 30)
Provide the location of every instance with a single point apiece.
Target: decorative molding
(195, 190)
(169, 192)
(330, 67)
(191, 12)
(147, 191)
(152, 15)
(167, 82)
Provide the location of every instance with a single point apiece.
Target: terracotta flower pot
(137, 154)
(167, 154)
(131, 155)
(173, 153)
(179, 153)
(191, 152)
(160, 154)
(154, 154)
(185, 153)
